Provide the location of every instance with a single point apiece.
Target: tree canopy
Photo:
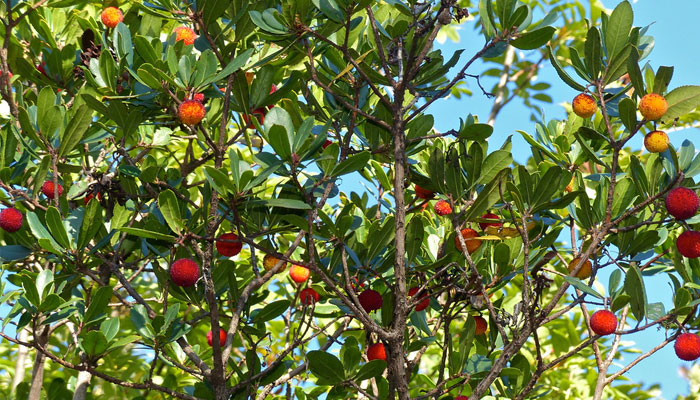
(230, 199)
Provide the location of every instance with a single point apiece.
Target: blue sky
(674, 27)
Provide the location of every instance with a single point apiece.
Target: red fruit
(259, 113)
(603, 322)
(185, 34)
(42, 68)
(493, 216)
(10, 219)
(199, 97)
(191, 112)
(682, 203)
(472, 245)
(376, 352)
(222, 338)
(308, 296)
(48, 189)
(299, 273)
(461, 398)
(326, 143)
(424, 194)
(424, 302)
(111, 17)
(90, 196)
(443, 208)
(370, 300)
(687, 346)
(228, 244)
(184, 272)
(688, 244)
(481, 325)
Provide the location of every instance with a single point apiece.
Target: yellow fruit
(653, 106)
(656, 141)
(586, 268)
(584, 105)
(269, 262)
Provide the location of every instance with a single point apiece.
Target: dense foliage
(269, 170)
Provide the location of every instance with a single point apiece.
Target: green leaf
(681, 101)
(139, 317)
(98, 304)
(634, 287)
(94, 343)
(169, 207)
(656, 311)
(493, 164)
(326, 366)
(487, 19)
(287, 203)
(578, 284)
(414, 237)
(76, 128)
(230, 68)
(49, 117)
(14, 252)
(370, 370)
(110, 327)
(279, 141)
(534, 39)
(28, 128)
(146, 234)
(219, 180)
(618, 29)
(330, 9)
(271, 311)
(40, 232)
(351, 164)
(55, 225)
(476, 131)
(593, 52)
(628, 113)
(92, 221)
(662, 79)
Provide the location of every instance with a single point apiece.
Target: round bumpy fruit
(424, 194)
(10, 219)
(603, 322)
(199, 97)
(490, 216)
(472, 244)
(481, 325)
(424, 299)
(184, 272)
(586, 268)
(687, 346)
(269, 262)
(111, 17)
(682, 203)
(48, 189)
(376, 352)
(222, 338)
(299, 273)
(584, 105)
(370, 300)
(656, 141)
(228, 245)
(443, 208)
(688, 244)
(185, 34)
(653, 106)
(191, 112)
(308, 296)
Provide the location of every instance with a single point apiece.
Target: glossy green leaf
(94, 343)
(370, 370)
(618, 29)
(634, 287)
(76, 128)
(146, 234)
(271, 311)
(326, 366)
(353, 163)
(169, 207)
(681, 101)
(534, 39)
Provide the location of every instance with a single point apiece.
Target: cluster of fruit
(681, 203)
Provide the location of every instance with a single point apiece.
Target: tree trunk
(21, 361)
(39, 361)
(81, 387)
